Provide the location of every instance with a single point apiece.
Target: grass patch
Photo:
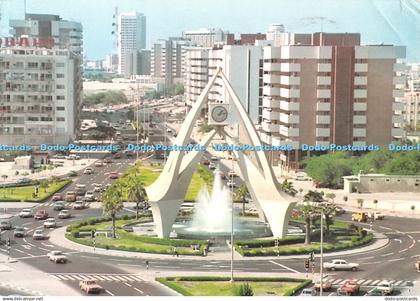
(221, 286)
(25, 193)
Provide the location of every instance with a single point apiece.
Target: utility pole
(322, 252)
(137, 104)
(231, 230)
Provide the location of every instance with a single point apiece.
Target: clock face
(219, 114)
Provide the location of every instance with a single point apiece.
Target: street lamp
(231, 229)
(321, 252)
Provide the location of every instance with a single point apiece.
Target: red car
(350, 287)
(205, 162)
(57, 197)
(113, 175)
(41, 214)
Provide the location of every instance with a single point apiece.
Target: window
(59, 65)
(60, 97)
(60, 87)
(60, 109)
(61, 119)
(60, 75)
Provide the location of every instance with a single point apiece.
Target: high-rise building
(331, 91)
(138, 63)
(40, 95)
(67, 34)
(208, 37)
(168, 60)
(111, 63)
(131, 30)
(196, 73)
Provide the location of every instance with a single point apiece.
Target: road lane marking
(19, 251)
(397, 259)
(367, 282)
(284, 267)
(375, 282)
(399, 240)
(55, 277)
(398, 283)
(387, 254)
(415, 256)
(361, 281)
(140, 291)
(403, 250)
(128, 284)
(108, 292)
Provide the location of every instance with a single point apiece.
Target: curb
(22, 289)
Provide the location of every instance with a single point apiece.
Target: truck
(340, 264)
(360, 216)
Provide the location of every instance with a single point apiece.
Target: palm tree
(112, 204)
(306, 211)
(44, 185)
(4, 177)
(287, 187)
(330, 196)
(376, 204)
(413, 208)
(328, 209)
(360, 203)
(136, 192)
(241, 194)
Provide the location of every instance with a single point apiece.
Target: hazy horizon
(379, 21)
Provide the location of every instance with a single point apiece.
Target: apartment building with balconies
(331, 91)
(40, 95)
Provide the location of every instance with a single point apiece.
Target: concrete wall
(382, 183)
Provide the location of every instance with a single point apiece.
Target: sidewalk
(27, 279)
(57, 237)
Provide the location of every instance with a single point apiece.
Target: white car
(98, 188)
(64, 214)
(79, 205)
(90, 196)
(376, 215)
(50, 223)
(26, 213)
(39, 234)
(340, 264)
(385, 287)
(57, 257)
(212, 166)
(88, 171)
(308, 292)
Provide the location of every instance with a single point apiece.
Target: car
(60, 205)
(117, 156)
(98, 188)
(351, 287)
(205, 162)
(232, 174)
(326, 285)
(57, 197)
(73, 157)
(26, 213)
(214, 158)
(57, 257)
(339, 210)
(89, 196)
(376, 215)
(70, 196)
(385, 287)
(341, 292)
(359, 216)
(23, 181)
(80, 189)
(340, 264)
(374, 292)
(50, 223)
(90, 286)
(5, 225)
(88, 171)
(72, 173)
(231, 184)
(99, 164)
(113, 175)
(79, 205)
(212, 166)
(308, 292)
(107, 160)
(39, 235)
(19, 232)
(64, 214)
(41, 214)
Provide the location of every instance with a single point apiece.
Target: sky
(388, 21)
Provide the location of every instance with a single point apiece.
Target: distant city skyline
(379, 21)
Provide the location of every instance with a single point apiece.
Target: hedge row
(257, 243)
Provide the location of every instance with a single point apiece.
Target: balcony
(397, 106)
(397, 93)
(322, 132)
(359, 119)
(289, 93)
(359, 106)
(360, 80)
(290, 67)
(323, 93)
(359, 68)
(397, 132)
(324, 67)
(323, 106)
(289, 132)
(398, 81)
(398, 119)
(270, 115)
(290, 80)
(289, 119)
(360, 93)
(271, 67)
(358, 132)
(267, 90)
(324, 80)
(271, 79)
(289, 106)
(322, 119)
(270, 127)
(264, 137)
(271, 103)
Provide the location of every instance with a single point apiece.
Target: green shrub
(244, 290)
(75, 233)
